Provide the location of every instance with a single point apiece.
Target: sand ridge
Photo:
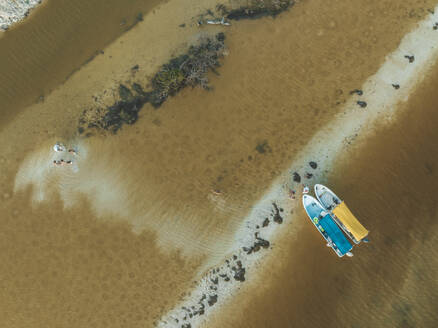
(328, 143)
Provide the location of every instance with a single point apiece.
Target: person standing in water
(58, 147)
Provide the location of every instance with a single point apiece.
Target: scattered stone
(215, 281)
(135, 68)
(234, 257)
(309, 175)
(313, 165)
(227, 278)
(296, 177)
(277, 217)
(362, 104)
(239, 274)
(263, 147)
(265, 223)
(410, 58)
(356, 91)
(396, 86)
(212, 299)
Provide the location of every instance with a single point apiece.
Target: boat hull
(329, 201)
(324, 223)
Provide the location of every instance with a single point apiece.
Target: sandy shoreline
(12, 12)
(392, 84)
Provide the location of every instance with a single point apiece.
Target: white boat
(341, 214)
(322, 220)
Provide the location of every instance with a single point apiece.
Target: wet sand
(282, 77)
(389, 182)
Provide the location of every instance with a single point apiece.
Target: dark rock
(362, 104)
(239, 274)
(239, 263)
(265, 223)
(410, 58)
(263, 147)
(135, 68)
(212, 299)
(182, 25)
(396, 86)
(296, 177)
(313, 165)
(277, 217)
(248, 250)
(309, 175)
(357, 91)
(186, 325)
(81, 130)
(140, 17)
(215, 280)
(234, 257)
(227, 278)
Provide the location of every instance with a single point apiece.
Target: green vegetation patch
(189, 69)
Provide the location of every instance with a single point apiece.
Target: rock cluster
(189, 69)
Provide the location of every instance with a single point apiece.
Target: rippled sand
(389, 182)
(120, 236)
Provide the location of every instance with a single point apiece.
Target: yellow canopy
(347, 218)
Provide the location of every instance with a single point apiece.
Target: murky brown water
(390, 183)
(55, 41)
(122, 237)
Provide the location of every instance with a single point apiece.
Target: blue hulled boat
(327, 226)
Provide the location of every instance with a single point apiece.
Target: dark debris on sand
(296, 177)
(313, 165)
(256, 9)
(189, 69)
(276, 213)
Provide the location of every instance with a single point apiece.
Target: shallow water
(390, 183)
(122, 233)
(54, 41)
